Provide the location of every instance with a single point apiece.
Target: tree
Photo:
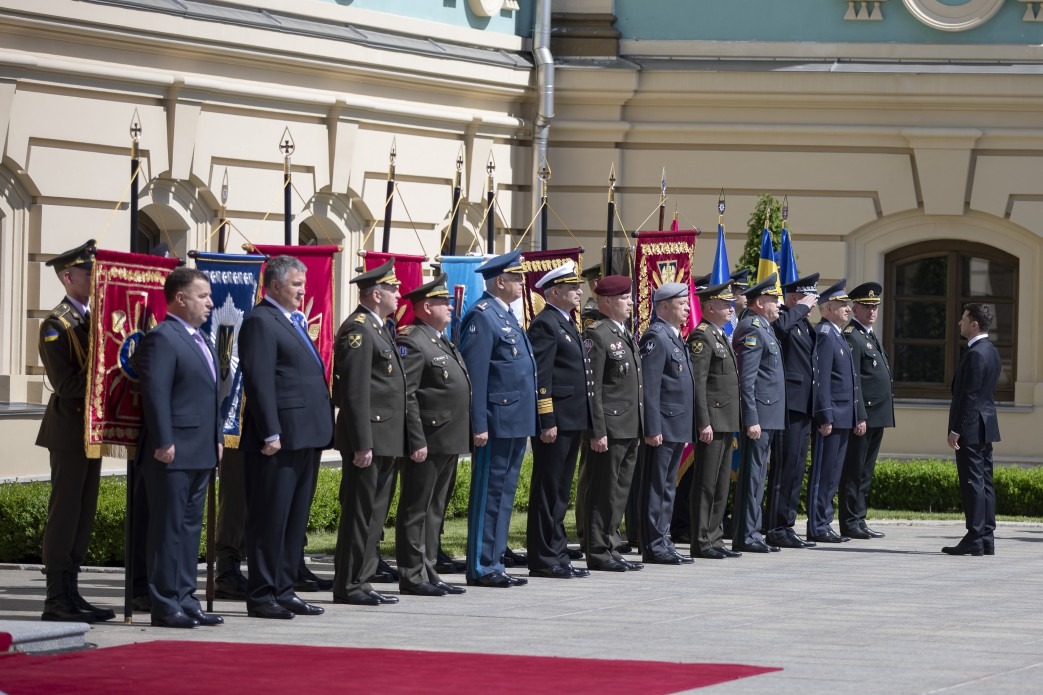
(770, 207)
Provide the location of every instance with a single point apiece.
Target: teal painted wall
(455, 12)
(808, 20)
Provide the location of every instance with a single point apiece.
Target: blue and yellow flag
(787, 261)
(767, 265)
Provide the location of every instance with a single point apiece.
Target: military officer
(740, 280)
(617, 419)
(716, 421)
(64, 346)
(370, 388)
(838, 411)
(590, 308)
(762, 397)
(669, 398)
(436, 378)
(563, 402)
(789, 458)
(503, 415)
(875, 382)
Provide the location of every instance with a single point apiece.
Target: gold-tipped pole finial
(612, 183)
(135, 134)
(544, 174)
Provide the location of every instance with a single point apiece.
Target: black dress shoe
(271, 611)
(871, 532)
(856, 533)
(577, 571)
(298, 607)
(575, 554)
(178, 619)
(711, 554)
(962, 548)
(607, 566)
(828, 536)
(630, 565)
(786, 541)
(231, 586)
(205, 619)
(556, 572)
(494, 580)
(447, 565)
(309, 581)
(663, 560)
(513, 559)
(359, 598)
(989, 548)
(685, 559)
(728, 552)
(516, 581)
(422, 589)
(383, 598)
(755, 547)
(626, 548)
(62, 610)
(386, 574)
(451, 588)
(100, 614)
(142, 602)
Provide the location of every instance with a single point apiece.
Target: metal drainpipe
(544, 95)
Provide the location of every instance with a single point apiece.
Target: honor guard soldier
(503, 415)
(563, 381)
(740, 280)
(617, 419)
(786, 475)
(875, 383)
(762, 395)
(838, 412)
(436, 377)
(716, 421)
(64, 346)
(590, 307)
(669, 405)
(370, 388)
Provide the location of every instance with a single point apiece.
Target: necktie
(301, 324)
(201, 342)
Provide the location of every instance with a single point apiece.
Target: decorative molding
(944, 17)
(864, 10)
(1032, 11)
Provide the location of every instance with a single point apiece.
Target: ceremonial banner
(787, 261)
(662, 257)
(319, 294)
(235, 286)
(410, 273)
(536, 265)
(126, 302)
(767, 263)
(464, 284)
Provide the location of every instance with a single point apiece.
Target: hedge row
(916, 486)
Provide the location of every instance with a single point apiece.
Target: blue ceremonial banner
(460, 273)
(721, 269)
(767, 264)
(234, 283)
(787, 261)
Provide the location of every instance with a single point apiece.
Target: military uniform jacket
(762, 390)
(716, 378)
(797, 338)
(563, 375)
(436, 378)
(836, 395)
(875, 381)
(618, 400)
(370, 387)
(669, 406)
(503, 371)
(64, 345)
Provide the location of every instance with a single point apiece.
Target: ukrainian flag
(787, 261)
(767, 265)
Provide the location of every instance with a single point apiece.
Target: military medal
(389, 368)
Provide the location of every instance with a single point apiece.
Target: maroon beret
(613, 285)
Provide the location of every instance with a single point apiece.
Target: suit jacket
(797, 338)
(437, 381)
(618, 399)
(836, 396)
(716, 379)
(503, 371)
(285, 385)
(562, 371)
(972, 413)
(180, 397)
(872, 368)
(669, 406)
(762, 390)
(369, 385)
(64, 345)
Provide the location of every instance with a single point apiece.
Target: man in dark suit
(789, 457)
(875, 386)
(64, 346)
(436, 378)
(838, 412)
(503, 415)
(617, 406)
(287, 422)
(669, 409)
(563, 404)
(762, 398)
(973, 427)
(369, 386)
(181, 442)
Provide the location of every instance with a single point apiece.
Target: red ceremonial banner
(126, 302)
(662, 257)
(536, 264)
(319, 293)
(410, 273)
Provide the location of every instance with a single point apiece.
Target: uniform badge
(354, 341)
(697, 347)
(588, 344)
(757, 321)
(841, 351)
(869, 346)
(360, 318)
(474, 328)
(568, 339)
(750, 341)
(648, 347)
(390, 369)
(403, 350)
(50, 336)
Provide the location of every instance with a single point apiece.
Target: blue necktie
(301, 323)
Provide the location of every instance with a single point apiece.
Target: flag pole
(611, 219)
(662, 200)
(389, 200)
(490, 217)
(545, 174)
(128, 528)
(287, 147)
(454, 225)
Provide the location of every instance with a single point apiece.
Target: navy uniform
(669, 405)
(617, 414)
(503, 404)
(64, 347)
(876, 385)
(370, 388)
(762, 398)
(837, 402)
(789, 459)
(563, 402)
(436, 377)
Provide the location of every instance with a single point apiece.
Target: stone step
(35, 636)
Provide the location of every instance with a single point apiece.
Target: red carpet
(159, 668)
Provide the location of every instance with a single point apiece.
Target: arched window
(928, 284)
(148, 235)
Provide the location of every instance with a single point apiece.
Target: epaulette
(824, 328)
(849, 329)
(702, 326)
(61, 311)
(757, 322)
(361, 318)
(594, 324)
(657, 326)
(406, 330)
(481, 306)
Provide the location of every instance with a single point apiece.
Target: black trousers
(656, 499)
(553, 466)
(421, 510)
(610, 474)
(857, 478)
(974, 467)
(786, 475)
(70, 510)
(230, 536)
(827, 461)
(364, 497)
(711, 478)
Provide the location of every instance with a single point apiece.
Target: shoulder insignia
(406, 330)
(595, 324)
(702, 326)
(849, 329)
(657, 326)
(824, 328)
(361, 318)
(647, 348)
(757, 322)
(61, 310)
(50, 335)
(403, 350)
(697, 346)
(481, 306)
(355, 340)
(750, 341)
